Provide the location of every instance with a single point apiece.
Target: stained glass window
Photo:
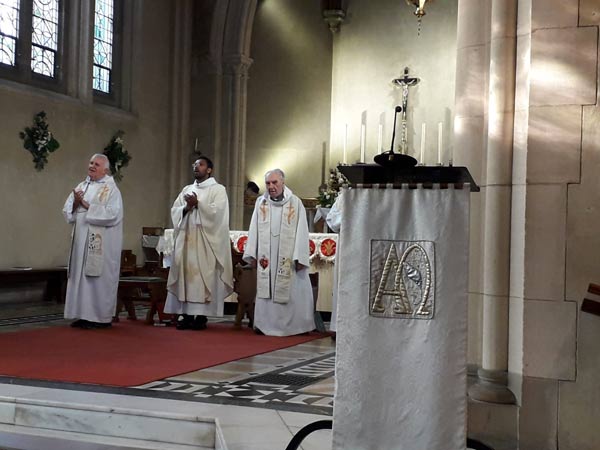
(103, 45)
(9, 30)
(44, 36)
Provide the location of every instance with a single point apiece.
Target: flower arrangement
(329, 193)
(38, 140)
(117, 155)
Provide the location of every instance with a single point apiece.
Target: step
(101, 425)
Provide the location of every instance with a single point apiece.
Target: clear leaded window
(103, 45)
(9, 31)
(44, 37)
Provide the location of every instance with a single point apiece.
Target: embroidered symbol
(284, 267)
(103, 194)
(264, 262)
(407, 281)
(95, 242)
(263, 208)
(291, 213)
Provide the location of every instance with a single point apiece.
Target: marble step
(124, 427)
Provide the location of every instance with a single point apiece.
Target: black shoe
(184, 322)
(78, 323)
(257, 331)
(100, 325)
(199, 323)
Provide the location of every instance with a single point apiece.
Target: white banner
(401, 367)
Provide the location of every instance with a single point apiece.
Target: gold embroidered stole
(94, 258)
(282, 272)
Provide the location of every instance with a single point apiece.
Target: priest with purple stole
(278, 246)
(95, 209)
(200, 278)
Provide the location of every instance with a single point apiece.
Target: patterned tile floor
(298, 378)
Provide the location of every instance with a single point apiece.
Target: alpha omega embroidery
(402, 279)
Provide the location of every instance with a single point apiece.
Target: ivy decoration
(117, 156)
(38, 140)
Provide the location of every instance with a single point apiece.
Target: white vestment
(94, 281)
(201, 276)
(296, 315)
(334, 221)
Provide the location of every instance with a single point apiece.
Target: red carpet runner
(130, 353)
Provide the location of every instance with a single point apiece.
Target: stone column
(496, 172)
(231, 159)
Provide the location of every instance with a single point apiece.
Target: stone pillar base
(491, 387)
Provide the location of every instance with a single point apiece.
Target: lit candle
(423, 131)
(345, 143)
(440, 141)
(363, 137)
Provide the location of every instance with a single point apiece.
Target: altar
(322, 254)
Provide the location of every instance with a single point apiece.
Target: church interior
(506, 88)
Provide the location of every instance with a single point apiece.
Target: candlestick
(196, 144)
(423, 132)
(380, 139)
(345, 143)
(363, 137)
(440, 141)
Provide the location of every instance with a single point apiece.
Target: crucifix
(405, 82)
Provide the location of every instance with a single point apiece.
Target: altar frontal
(401, 364)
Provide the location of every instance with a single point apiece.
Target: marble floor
(260, 402)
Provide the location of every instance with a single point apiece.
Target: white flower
(119, 140)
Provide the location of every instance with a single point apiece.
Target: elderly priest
(278, 242)
(95, 209)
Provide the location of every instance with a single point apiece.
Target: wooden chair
(150, 235)
(244, 285)
(141, 285)
(128, 263)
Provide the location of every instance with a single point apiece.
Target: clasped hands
(191, 201)
(78, 199)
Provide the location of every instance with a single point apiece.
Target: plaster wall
(377, 41)
(289, 94)
(33, 230)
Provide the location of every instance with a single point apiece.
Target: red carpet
(130, 353)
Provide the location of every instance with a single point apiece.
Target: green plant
(117, 155)
(38, 140)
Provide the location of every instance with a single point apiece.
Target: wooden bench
(55, 279)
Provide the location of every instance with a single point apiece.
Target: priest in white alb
(278, 246)
(200, 278)
(95, 209)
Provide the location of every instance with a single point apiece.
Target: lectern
(401, 367)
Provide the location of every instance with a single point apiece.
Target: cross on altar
(405, 82)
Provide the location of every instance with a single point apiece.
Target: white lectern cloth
(401, 381)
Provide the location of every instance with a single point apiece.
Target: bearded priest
(200, 278)
(278, 247)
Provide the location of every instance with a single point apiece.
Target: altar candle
(196, 145)
(363, 136)
(423, 131)
(380, 133)
(440, 140)
(345, 143)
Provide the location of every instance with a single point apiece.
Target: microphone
(396, 111)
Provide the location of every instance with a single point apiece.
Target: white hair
(102, 157)
(277, 171)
